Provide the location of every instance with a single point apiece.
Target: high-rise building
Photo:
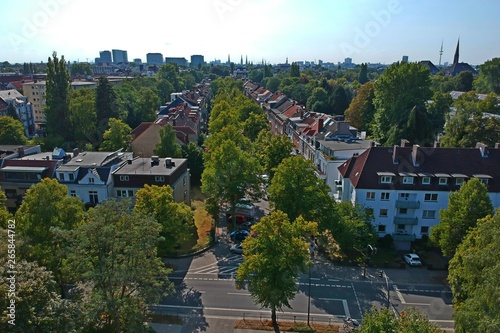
(119, 56)
(196, 60)
(181, 62)
(404, 59)
(105, 57)
(154, 59)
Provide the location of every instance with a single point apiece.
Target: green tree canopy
(473, 276)
(272, 274)
(11, 132)
(115, 260)
(361, 110)
(83, 117)
(410, 321)
(398, 90)
(194, 155)
(465, 207)
(175, 218)
(46, 208)
(168, 146)
(117, 136)
(105, 101)
(363, 74)
(490, 72)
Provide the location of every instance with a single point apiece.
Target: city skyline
(379, 31)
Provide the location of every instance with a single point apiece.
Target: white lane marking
(242, 294)
(357, 300)
(344, 304)
(400, 296)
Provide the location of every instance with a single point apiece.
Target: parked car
(236, 248)
(239, 235)
(412, 259)
(240, 218)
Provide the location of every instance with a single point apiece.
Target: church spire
(455, 59)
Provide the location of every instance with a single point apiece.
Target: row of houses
(405, 185)
(91, 176)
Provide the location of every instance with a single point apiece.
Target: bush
(386, 242)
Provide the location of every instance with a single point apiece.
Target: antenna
(440, 53)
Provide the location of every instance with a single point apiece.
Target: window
(10, 193)
(424, 230)
(383, 212)
(459, 181)
(91, 180)
(72, 193)
(429, 214)
(407, 180)
(370, 195)
(384, 196)
(443, 181)
(61, 176)
(404, 196)
(124, 178)
(159, 179)
(386, 179)
(401, 227)
(93, 197)
(403, 211)
(431, 197)
(484, 181)
(130, 193)
(71, 176)
(381, 228)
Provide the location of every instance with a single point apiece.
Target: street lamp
(369, 250)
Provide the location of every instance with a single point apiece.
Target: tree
(5, 215)
(490, 72)
(148, 105)
(117, 136)
(168, 146)
(47, 208)
(339, 101)
(272, 275)
(230, 173)
(361, 110)
(194, 155)
(439, 109)
(273, 83)
(318, 100)
(419, 128)
(256, 122)
(465, 207)
(473, 276)
(363, 74)
(83, 117)
(463, 81)
(175, 218)
(383, 320)
(105, 102)
(297, 191)
(57, 99)
(81, 69)
(400, 88)
(115, 261)
(275, 151)
(11, 132)
(38, 305)
(294, 70)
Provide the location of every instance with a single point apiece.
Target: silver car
(412, 259)
(236, 248)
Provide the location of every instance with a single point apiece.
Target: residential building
(23, 109)
(154, 59)
(134, 174)
(406, 186)
(119, 56)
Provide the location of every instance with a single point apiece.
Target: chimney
(320, 124)
(168, 162)
(155, 160)
(75, 152)
(405, 143)
(20, 151)
(372, 143)
(483, 149)
(395, 155)
(415, 156)
(436, 144)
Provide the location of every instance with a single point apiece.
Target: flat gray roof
(24, 169)
(143, 166)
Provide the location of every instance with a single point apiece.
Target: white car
(236, 248)
(412, 259)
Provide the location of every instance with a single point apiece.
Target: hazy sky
(271, 30)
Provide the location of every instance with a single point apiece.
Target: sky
(373, 31)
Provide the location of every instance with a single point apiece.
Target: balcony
(407, 204)
(403, 237)
(405, 220)
(320, 174)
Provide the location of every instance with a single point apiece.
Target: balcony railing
(403, 237)
(407, 204)
(406, 220)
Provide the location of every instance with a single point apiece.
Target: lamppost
(369, 250)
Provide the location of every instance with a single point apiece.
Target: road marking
(357, 300)
(344, 304)
(315, 279)
(400, 296)
(333, 280)
(242, 294)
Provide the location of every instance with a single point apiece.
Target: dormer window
(483, 178)
(459, 181)
(91, 180)
(61, 176)
(443, 181)
(124, 178)
(426, 180)
(484, 181)
(386, 179)
(407, 180)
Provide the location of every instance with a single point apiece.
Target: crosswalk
(225, 266)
